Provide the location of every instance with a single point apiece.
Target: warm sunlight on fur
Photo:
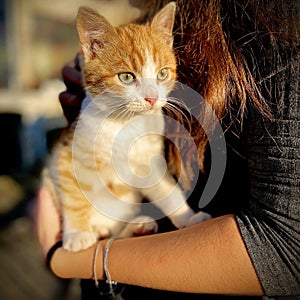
(102, 167)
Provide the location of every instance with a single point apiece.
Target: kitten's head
(132, 63)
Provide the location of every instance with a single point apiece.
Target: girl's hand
(48, 222)
(71, 99)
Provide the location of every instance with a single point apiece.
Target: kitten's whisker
(179, 102)
(185, 119)
(114, 104)
(124, 113)
(121, 113)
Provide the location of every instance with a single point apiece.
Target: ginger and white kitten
(128, 73)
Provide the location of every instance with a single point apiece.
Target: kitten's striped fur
(128, 72)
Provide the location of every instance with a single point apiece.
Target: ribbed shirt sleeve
(270, 226)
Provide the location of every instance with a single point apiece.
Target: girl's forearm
(205, 258)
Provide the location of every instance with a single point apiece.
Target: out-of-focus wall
(38, 37)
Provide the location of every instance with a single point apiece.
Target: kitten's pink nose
(151, 100)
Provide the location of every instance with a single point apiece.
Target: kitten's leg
(140, 225)
(78, 233)
(115, 216)
(168, 196)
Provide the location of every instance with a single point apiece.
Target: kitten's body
(128, 73)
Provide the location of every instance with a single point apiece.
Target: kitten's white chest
(125, 150)
(133, 142)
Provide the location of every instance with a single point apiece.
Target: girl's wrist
(66, 264)
(51, 252)
(104, 245)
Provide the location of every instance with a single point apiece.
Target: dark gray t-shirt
(270, 225)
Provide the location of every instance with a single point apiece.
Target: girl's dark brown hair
(228, 51)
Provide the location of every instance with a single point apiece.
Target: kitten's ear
(93, 30)
(163, 22)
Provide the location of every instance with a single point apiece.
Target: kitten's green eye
(163, 74)
(126, 78)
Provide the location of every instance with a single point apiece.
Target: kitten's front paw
(141, 225)
(180, 220)
(198, 218)
(146, 225)
(79, 240)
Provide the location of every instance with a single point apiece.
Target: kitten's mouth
(148, 105)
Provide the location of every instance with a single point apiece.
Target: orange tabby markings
(119, 190)
(128, 73)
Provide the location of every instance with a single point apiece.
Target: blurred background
(36, 39)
